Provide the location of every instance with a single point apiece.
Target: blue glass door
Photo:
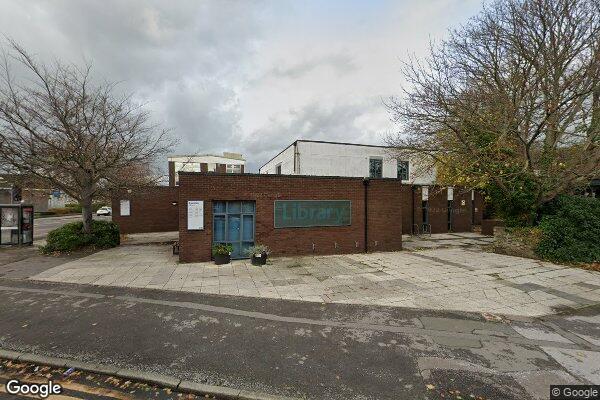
(233, 234)
(233, 223)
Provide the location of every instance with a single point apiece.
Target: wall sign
(307, 213)
(125, 208)
(195, 215)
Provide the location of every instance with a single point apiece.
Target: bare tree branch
(512, 95)
(79, 137)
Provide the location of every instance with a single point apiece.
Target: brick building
(30, 191)
(228, 163)
(293, 214)
(366, 229)
(152, 209)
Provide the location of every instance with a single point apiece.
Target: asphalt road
(306, 350)
(41, 226)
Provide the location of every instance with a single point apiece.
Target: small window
(248, 207)
(234, 169)
(234, 207)
(403, 170)
(219, 207)
(278, 169)
(375, 167)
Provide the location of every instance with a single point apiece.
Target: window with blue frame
(403, 170)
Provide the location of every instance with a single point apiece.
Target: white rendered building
(311, 157)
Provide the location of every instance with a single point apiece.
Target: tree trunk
(86, 211)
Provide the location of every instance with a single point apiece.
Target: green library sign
(307, 213)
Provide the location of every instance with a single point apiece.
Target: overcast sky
(244, 76)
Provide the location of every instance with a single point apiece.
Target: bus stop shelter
(16, 224)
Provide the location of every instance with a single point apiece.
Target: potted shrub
(258, 253)
(222, 253)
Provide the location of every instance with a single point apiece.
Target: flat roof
(191, 156)
(326, 142)
(293, 176)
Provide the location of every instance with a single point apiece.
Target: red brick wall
(152, 210)
(487, 226)
(390, 211)
(461, 211)
(406, 197)
(265, 189)
(384, 214)
(438, 209)
(417, 208)
(171, 173)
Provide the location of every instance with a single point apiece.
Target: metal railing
(421, 229)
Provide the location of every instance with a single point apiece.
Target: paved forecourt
(454, 278)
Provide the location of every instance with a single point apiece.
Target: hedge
(76, 207)
(571, 230)
(70, 237)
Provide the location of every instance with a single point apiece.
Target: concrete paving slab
(578, 362)
(537, 383)
(538, 333)
(440, 278)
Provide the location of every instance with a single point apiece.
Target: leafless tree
(513, 92)
(58, 126)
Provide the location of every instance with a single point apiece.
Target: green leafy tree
(510, 102)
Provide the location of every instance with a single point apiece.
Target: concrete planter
(221, 259)
(260, 259)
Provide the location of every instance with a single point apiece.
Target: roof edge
(325, 142)
(204, 155)
(278, 154)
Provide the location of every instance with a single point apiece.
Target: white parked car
(104, 211)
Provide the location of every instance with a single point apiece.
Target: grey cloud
(186, 60)
(181, 58)
(205, 113)
(340, 63)
(147, 42)
(337, 123)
